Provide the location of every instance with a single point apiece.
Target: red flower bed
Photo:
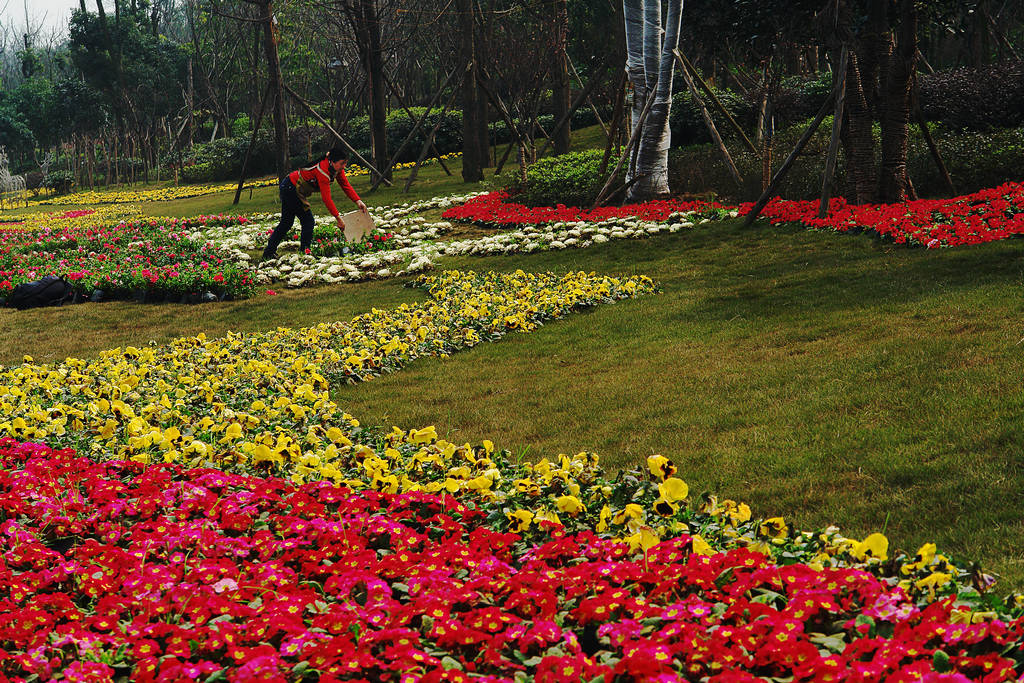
(985, 216)
(162, 574)
(493, 211)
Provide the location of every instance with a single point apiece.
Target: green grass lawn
(826, 378)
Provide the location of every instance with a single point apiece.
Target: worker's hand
(362, 207)
(341, 222)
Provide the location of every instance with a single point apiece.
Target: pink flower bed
(156, 573)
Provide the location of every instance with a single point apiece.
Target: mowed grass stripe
(827, 378)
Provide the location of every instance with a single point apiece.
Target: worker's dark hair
(337, 154)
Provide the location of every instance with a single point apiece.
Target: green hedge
(687, 123)
(222, 159)
(975, 160)
(570, 179)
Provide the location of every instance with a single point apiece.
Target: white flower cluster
(566, 235)
(399, 210)
(418, 244)
(299, 270)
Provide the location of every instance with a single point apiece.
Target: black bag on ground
(50, 291)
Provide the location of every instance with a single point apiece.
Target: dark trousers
(290, 208)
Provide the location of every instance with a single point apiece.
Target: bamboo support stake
(336, 134)
(419, 123)
(709, 122)
(837, 125)
(633, 139)
(401, 102)
(685, 63)
(755, 211)
(922, 123)
(617, 113)
(252, 143)
(429, 141)
(585, 95)
(590, 100)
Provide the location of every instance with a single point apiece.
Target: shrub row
(222, 159)
(570, 179)
(964, 99)
(975, 160)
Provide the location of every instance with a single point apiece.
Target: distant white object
(14, 184)
(357, 225)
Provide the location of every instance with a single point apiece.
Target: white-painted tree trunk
(650, 66)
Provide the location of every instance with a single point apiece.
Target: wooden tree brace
(837, 125)
(419, 124)
(687, 66)
(430, 138)
(708, 121)
(326, 125)
(580, 99)
(762, 201)
(401, 102)
(252, 141)
(633, 139)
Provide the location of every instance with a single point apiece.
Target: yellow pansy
(569, 504)
(602, 522)
(632, 511)
(660, 466)
(700, 546)
(875, 546)
(421, 436)
(924, 558)
(774, 527)
(673, 489)
(644, 539)
(522, 519)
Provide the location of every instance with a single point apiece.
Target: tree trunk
(472, 170)
(894, 115)
(190, 96)
(560, 75)
(375, 78)
(858, 144)
(481, 44)
(659, 64)
(277, 87)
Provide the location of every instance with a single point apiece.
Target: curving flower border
(985, 216)
(159, 573)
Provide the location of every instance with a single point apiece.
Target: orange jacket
(317, 178)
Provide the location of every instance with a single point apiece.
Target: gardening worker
(295, 191)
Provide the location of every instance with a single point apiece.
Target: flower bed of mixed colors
(148, 259)
(416, 244)
(401, 555)
(118, 571)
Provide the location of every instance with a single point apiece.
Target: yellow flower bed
(163, 194)
(70, 220)
(260, 402)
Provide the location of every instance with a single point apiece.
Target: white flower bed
(418, 245)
